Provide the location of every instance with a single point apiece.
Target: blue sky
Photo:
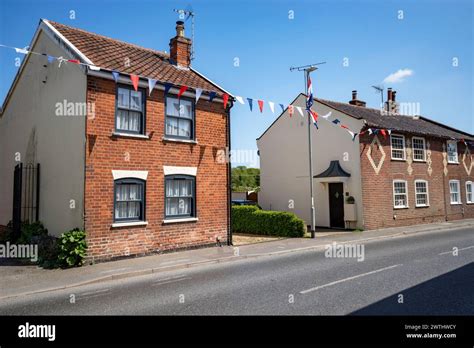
(267, 42)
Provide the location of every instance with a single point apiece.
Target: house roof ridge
(160, 53)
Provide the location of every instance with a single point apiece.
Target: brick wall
(377, 189)
(105, 153)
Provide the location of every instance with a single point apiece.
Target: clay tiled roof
(416, 125)
(111, 54)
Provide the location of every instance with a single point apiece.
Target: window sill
(173, 221)
(419, 161)
(130, 135)
(460, 203)
(400, 208)
(175, 140)
(422, 206)
(399, 159)
(453, 162)
(129, 224)
(469, 203)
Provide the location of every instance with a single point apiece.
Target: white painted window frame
(406, 194)
(456, 161)
(470, 201)
(404, 147)
(459, 201)
(413, 149)
(421, 193)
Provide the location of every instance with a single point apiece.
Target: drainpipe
(229, 178)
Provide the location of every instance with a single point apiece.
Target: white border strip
(137, 174)
(170, 170)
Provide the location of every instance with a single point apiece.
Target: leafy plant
(72, 248)
(30, 230)
(251, 219)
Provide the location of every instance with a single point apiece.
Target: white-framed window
(469, 192)
(419, 149)
(452, 149)
(421, 193)
(398, 147)
(454, 192)
(400, 194)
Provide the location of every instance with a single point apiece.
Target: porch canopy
(334, 173)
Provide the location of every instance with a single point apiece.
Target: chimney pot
(180, 28)
(389, 94)
(354, 95)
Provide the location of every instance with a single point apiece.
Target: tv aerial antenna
(379, 89)
(184, 15)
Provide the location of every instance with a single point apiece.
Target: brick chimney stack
(390, 105)
(356, 101)
(180, 47)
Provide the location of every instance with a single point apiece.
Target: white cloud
(398, 76)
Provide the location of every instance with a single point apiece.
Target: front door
(336, 205)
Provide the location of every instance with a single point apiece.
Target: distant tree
(245, 179)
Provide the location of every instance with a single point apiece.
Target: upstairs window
(419, 149)
(180, 196)
(421, 193)
(452, 149)
(398, 147)
(130, 111)
(400, 196)
(179, 118)
(454, 192)
(469, 192)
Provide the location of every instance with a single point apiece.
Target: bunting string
(134, 79)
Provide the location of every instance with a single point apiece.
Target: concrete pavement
(25, 280)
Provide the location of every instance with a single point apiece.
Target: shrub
(48, 251)
(72, 248)
(30, 230)
(250, 219)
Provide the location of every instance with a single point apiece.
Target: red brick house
(401, 169)
(141, 170)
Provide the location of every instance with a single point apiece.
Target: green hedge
(252, 220)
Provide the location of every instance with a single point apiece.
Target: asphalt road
(419, 270)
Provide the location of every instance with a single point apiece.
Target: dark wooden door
(336, 205)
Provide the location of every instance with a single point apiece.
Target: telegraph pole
(307, 71)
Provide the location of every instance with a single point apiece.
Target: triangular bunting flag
(336, 121)
(116, 75)
(382, 131)
(21, 50)
(291, 110)
(370, 131)
(300, 110)
(151, 85)
(327, 115)
(225, 99)
(260, 105)
(272, 106)
(240, 100)
(198, 94)
(51, 59)
(282, 107)
(75, 61)
(134, 79)
(389, 131)
(344, 126)
(182, 90)
(167, 87)
(250, 100)
(212, 95)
